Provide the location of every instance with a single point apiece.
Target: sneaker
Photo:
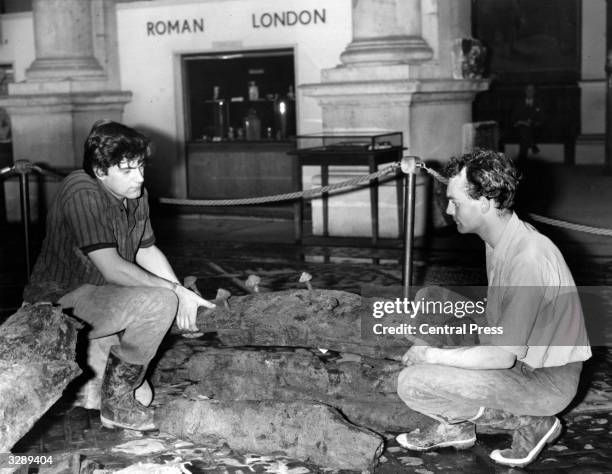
(528, 442)
(439, 435)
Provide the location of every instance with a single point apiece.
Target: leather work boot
(439, 435)
(118, 407)
(531, 434)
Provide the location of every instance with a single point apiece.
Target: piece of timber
(37, 361)
(329, 319)
(363, 389)
(304, 430)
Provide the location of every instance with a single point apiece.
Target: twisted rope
(536, 217)
(24, 167)
(433, 173)
(304, 194)
(571, 226)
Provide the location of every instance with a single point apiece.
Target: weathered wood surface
(38, 332)
(37, 353)
(363, 389)
(329, 319)
(309, 431)
(301, 318)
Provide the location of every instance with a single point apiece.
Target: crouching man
(517, 380)
(99, 260)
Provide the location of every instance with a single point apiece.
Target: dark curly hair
(109, 143)
(489, 173)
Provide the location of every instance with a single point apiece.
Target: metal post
(608, 69)
(23, 168)
(25, 216)
(409, 169)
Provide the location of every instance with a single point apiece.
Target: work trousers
(142, 316)
(457, 394)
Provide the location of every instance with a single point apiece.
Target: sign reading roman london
(260, 20)
(175, 27)
(288, 18)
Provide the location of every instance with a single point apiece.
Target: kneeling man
(517, 380)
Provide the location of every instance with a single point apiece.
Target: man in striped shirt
(99, 261)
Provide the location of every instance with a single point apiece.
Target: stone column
(66, 88)
(400, 24)
(396, 75)
(63, 41)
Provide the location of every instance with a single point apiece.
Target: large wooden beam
(303, 430)
(363, 389)
(328, 319)
(37, 354)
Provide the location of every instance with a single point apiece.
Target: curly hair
(489, 174)
(109, 143)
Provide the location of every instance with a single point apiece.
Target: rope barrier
(24, 167)
(305, 194)
(536, 217)
(314, 192)
(571, 226)
(433, 173)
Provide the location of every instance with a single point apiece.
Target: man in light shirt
(519, 379)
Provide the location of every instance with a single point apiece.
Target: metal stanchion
(23, 168)
(24, 193)
(409, 168)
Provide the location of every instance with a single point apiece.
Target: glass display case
(339, 143)
(240, 121)
(238, 96)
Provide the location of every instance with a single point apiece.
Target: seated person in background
(99, 260)
(527, 118)
(520, 379)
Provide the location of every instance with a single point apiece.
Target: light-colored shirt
(533, 298)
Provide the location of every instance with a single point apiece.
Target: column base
(80, 68)
(387, 50)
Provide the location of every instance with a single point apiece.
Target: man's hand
(188, 305)
(415, 355)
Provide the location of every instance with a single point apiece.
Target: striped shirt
(85, 217)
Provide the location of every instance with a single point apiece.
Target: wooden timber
(37, 361)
